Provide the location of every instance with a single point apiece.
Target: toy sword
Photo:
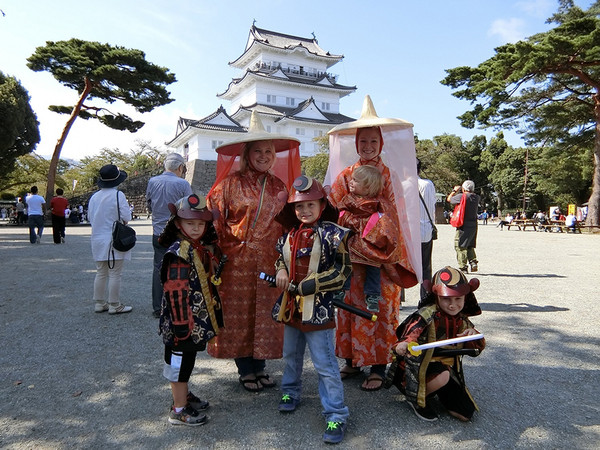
(416, 350)
(339, 303)
(216, 278)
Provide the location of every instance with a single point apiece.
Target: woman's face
(261, 156)
(368, 144)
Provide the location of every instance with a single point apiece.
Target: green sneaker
(334, 433)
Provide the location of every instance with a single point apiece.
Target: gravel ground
(70, 378)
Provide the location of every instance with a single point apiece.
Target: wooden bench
(522, 224)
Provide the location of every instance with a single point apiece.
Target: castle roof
(286, 76)
(260, 39)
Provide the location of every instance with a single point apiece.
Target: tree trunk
(63, 137)
(593, 217)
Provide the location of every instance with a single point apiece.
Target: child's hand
(468, 332)
(282, 280)
(401, 348)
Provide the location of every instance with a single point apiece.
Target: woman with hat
(252, 172)
(102, 213)
(362, 343)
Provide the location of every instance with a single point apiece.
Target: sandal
(372, 378)
(349, 372)
(247, 384)
(265, 381)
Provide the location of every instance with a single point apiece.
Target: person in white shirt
(102, 213)
(36, 208)
(427, 193)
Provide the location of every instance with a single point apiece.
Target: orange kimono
(247, 234)
(368, 343)
(376, 229)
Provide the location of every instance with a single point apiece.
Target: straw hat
(257, 132)
(368, 118)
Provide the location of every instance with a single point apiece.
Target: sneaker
(334, 433)
(120, 308)
(62, 240)
(287, 404)
(188, 416)
(38, 239)
(464, 269)
(100, 307)
(372, 301)
(156, 314)
(473, 266)
(426, 413)
(196, 403)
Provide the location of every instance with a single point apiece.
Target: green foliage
(546, 85)
(144, 159)
(28, 170)
(316, 166)
(19, 133)
(103, 72)
(116, 73)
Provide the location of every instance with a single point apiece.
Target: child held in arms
(438, 371)
(373, 219)
(191, 313)
(313, 264)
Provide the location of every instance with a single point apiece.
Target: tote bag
(458, 216)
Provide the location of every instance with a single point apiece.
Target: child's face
(357, 187)
(308, 212)
(193, 228)
(451, 305)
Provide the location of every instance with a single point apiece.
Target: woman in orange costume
(359, 342)
(248, 199)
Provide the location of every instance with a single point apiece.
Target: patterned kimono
(368, 343)
(429, 324)
(191, 309)
(321, 267)
(376, 227)
(247, 234)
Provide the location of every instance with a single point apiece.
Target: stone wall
(201, 175)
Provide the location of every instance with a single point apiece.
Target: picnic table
(559, 226)
(522, 224)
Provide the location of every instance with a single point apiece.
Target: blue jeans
(320, 344)
(372, 280)
(35, 221)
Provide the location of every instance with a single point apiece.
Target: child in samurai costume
(191, 313)
(445, 315)
(314, 263)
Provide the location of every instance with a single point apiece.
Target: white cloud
(511, 30)
(538, 8)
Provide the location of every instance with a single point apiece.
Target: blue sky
(397, 53)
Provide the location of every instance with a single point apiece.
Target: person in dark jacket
(465, 239)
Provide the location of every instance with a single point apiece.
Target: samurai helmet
(191, 207)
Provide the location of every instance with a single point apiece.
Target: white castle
(285, 79)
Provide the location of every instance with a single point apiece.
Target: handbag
(434, 233)
(458, 216)
(123, 237)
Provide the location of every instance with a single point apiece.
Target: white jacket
(102, 213)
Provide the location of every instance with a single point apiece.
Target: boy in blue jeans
(314, 263)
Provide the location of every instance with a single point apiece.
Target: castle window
(300, 131)
(290, 101)
(271, 98)
(216, 144)
(325, 106)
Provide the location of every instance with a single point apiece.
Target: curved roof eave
(330, 59)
